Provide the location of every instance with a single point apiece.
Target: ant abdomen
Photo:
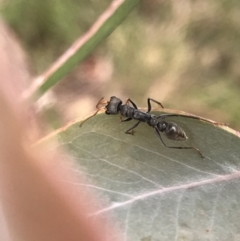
(174, 132)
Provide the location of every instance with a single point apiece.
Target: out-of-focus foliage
(47, 28)
(184, 53)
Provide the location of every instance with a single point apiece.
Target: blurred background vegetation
(184, 53)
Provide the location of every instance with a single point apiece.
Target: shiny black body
(170, 130)
(131, 112)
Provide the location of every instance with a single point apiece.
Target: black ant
(169, 129)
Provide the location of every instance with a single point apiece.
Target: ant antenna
(100, 106)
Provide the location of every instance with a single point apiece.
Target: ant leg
(149, 104)
(100, 102)
(163, 116)
(129, 100)
(128, 119)
(130, 130)
(177, 147)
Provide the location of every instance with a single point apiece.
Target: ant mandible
(169, 129)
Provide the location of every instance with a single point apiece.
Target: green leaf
(157, 193)
(105, 25)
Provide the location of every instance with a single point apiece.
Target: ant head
(113, 106)
(174, 132)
